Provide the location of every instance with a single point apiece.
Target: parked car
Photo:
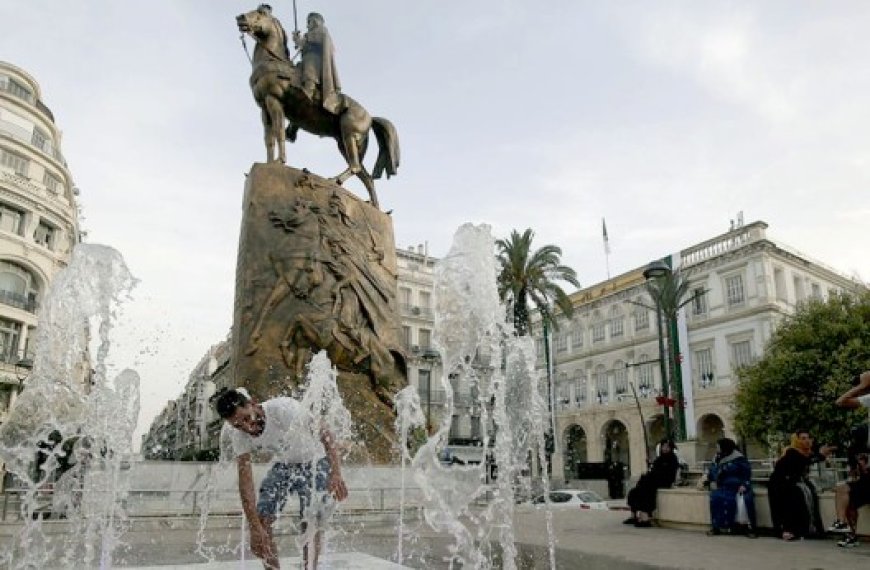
(572, 499)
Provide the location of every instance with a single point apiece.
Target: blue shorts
(285, 478)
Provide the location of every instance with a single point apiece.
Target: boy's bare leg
(270, 560)
(841, 501)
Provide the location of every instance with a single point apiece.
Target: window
(15, 88)
(406, 336)
(699, 301)
(799, 293)
(601, 387)
(704, 362)
(10, 331)
(424, 380)
(10, 219)
(779, 283)
(425, 300)
(817, 291)
(454, 427)
(734, 290)
(616, 326)
(476, 432)
(52, 182)
(641, 319)
(577, 336)
(645, 373)
(40, 139)
(598, 332)
(580, 387)
(425, 338)
(14, 161)
(561, 342)
(405, 297)
(44, 235)
(620, 379)
(741, 353)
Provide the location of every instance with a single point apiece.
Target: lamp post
(23, 368)
(658, 270)
(430, 357)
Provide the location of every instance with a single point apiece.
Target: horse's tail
(388, 147)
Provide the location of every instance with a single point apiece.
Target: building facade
(741, 284)
(38, 220)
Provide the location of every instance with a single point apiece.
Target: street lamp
(23, 368)
(430, 357)
(657, 270)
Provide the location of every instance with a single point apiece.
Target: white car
(573, 499)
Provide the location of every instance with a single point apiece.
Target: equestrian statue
(308, 96)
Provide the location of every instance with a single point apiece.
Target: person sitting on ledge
(732, 475)
(661, 475)
(794, 501)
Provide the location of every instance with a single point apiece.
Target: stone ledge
(688, 508)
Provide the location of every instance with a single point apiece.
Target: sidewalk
(591, 540)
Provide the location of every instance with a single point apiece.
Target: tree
(669, 292)
(529, 276)
(808, 362)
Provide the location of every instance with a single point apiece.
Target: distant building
(746, 284)
(38, 220)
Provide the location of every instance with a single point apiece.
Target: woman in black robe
(661, 475)
(794, 501)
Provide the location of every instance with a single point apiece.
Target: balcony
(26, 137)
(18, 301)
(416, 311)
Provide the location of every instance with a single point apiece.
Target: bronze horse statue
(277, 87)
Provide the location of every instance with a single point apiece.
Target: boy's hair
(227, 400)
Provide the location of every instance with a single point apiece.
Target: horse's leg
(353, 145)
(276, 117)
(267, 133)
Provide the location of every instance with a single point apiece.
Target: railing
(825, 474)
(17, 300)
(722, 244)
(192, 502)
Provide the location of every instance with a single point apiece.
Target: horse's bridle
(269, 51)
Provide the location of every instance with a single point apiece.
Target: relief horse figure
(277, 87)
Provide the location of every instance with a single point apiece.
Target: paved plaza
(584, 540)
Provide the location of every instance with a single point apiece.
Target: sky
(664, 118)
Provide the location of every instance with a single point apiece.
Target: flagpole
(606, 247)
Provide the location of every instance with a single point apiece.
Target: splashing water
(69, 430)
(480, 350)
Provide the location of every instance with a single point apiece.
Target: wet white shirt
(288, 434)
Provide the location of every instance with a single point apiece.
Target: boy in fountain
(306, 463)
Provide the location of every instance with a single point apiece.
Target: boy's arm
(336, 484)
(246, 490)
(849, 399)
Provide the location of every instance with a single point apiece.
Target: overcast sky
(665, 118)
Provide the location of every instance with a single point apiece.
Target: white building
(747, 282)
(38, 219)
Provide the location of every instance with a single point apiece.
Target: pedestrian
(794, 500)
(661, 475)
(306, 462)
(731, 474)
(854, 493)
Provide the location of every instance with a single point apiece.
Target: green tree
(530, 276)
(807, 364)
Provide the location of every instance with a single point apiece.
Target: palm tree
(670, 292)
(530, 276)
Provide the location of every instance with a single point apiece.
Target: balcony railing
(23, 135)
(18, 300)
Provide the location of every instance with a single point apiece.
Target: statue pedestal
(316, 271)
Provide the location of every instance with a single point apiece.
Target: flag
(604, 235)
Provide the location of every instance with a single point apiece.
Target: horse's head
(259, 23)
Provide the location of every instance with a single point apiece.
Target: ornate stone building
(746, 282)
(38, 220)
